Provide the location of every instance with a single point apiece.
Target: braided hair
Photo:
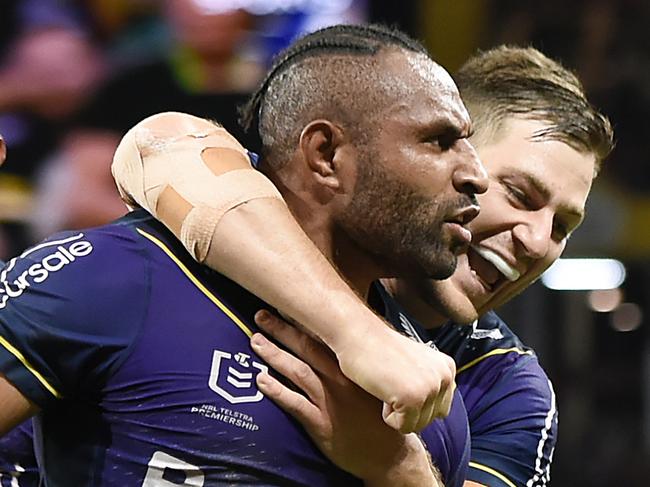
(327, 72)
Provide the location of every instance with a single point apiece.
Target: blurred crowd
(76, 74)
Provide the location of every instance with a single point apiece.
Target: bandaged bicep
(166, 151)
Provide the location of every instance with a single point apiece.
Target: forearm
(14, 406)
(412, 467)
(260, 246)
(256, 243)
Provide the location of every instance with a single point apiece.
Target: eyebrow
(542, 188)
(449, 129)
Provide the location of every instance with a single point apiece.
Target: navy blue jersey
(18, 467)
(140, 360)
(510, 403)
(509, 399)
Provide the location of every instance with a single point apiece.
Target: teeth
(502, 266)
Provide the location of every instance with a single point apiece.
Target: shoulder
(510, 401)
(69, 307)
(488, 338)
(494, 360)
(73, 263)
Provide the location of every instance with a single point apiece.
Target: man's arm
(343, 420)
(197, 180)
(14, 406)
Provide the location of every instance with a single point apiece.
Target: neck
(410, 298)
(356, 266)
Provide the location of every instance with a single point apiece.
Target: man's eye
(443, 141)
(518, 194)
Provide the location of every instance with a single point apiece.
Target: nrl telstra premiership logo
(233, 377)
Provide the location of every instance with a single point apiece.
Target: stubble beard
(400, 228)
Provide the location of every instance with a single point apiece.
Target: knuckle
(452, 364)
(415, 397)
(303, 372)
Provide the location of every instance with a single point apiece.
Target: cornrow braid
(344, 39)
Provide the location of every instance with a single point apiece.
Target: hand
(415, 381)
(344, 421)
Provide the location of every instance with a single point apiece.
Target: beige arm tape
(165, 151)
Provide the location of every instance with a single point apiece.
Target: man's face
(417, 175)
(536, 198)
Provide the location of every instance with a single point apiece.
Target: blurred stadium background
(75, 74)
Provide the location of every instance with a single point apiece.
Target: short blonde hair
(511, 81)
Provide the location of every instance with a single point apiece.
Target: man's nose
(535, 235)
(470, 176)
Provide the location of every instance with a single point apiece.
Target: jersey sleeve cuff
(25, 377)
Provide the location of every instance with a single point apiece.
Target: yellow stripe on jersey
(16, 353)
(197, 283)
(493, 472)
(496, 351)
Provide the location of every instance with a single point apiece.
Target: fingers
(3, 150)
(290, 401)
(446, 398)
(317, 355)
(428, 412)
(289, 366)
(447, 388)
(398, 420)
(406, 416)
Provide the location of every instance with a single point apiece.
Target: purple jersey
(18, 467)
(140, 360)
(510, 402)
(509, 399)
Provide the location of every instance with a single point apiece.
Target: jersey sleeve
(514, 426)
(69, 309)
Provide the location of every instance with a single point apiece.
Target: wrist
(357, 328)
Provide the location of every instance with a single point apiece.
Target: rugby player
(137, 359)
(543, 143)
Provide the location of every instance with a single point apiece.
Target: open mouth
(458, 226)
(490, 267)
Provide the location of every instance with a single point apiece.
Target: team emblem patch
(233, 377)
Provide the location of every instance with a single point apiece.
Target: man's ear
(319, 142)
